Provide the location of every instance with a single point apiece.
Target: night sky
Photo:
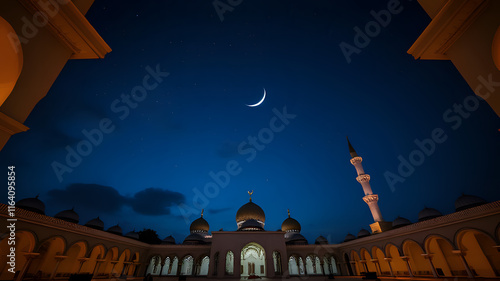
(158, 152)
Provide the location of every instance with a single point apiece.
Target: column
(82, 261)
(29, 258)
(377, 266)
(390, 267)
(363, 262)
(353, 266)
(112, 268)
(406, 259)
(464, 262)
(58, 261)
(428, 257)
(98, 264)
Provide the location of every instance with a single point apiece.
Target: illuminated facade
(462, 244)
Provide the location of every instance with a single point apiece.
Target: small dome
(193, 239)
(251, 225)
(321, 240)
(428, 213)
(32, 204)
(169, 240)
(68, 215)
(296, 239)
(349, 237)
(400, 222)
(250, 211)
(116, 229)
(363, 233)
(199, 225)
(133, 235)
(96, 223)
(468, 201)
(290, 224)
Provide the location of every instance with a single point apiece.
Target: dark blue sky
(163, 148)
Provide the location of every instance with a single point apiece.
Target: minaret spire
(370, 199)
(351, 149)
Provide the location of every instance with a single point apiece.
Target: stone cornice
(51, 222)
(446, 27)
(71, 27)
(485, 210)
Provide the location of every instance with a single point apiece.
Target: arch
(175, 266)
(203, 266)
(278, 270)
(348, 264)
(25, 244)
(355, 260)
(96, 254)
(107, 265)
(399, 267)
(46, 261)
(118, 269)
(419, 266)
(369, 264)
(383, 264)
(313, 265)
(445, 261)
(480, 252)
(12, 59)
(187, 265)
(134, 262)
(229, 263)
(302, 270)
(293, 266)
(166, 266)
(73, 262)
(253, 260)
(154, 266)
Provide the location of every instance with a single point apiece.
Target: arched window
(293, 267)
(166, 267)
(277, 263)
(204, 266)
(175, 265)
(229, 263)
(187, 266)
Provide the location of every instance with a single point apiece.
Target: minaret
(369, 198)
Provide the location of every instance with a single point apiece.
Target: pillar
(390, 266)
(428, 257)
(29, 258)
(464, 262)
(406, 259)
(58, 261)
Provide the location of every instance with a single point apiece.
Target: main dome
(250, 211)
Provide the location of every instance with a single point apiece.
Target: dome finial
(202, 212)
(288, 212)
(250, 193)
(351, 149)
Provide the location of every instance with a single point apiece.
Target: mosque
(462, 244)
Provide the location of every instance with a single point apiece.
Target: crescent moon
(261, 101)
